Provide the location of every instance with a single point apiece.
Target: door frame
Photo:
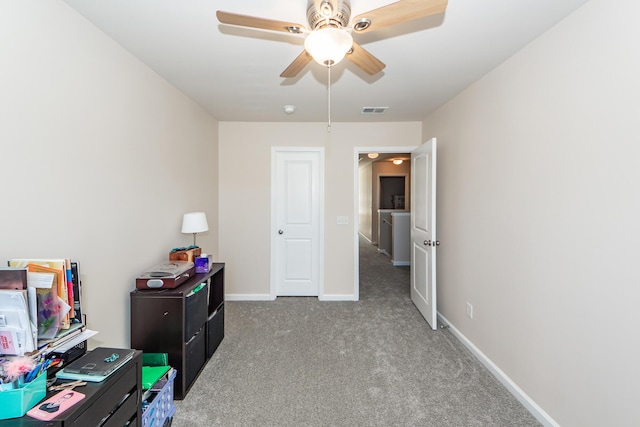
(273, 226)
(357, 151)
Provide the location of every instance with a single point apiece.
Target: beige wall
(100, 157)
(538, 215)
(245, 192)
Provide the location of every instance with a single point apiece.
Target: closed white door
(296, 222)
(423, 230)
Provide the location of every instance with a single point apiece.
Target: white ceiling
(234, 72)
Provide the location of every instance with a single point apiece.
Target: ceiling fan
(329, 30)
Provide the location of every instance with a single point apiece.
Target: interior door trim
(273, 228)
(356, 208)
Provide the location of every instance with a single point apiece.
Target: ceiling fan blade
(297, 65)
(398, 12)
(264, 24)
(366, 61)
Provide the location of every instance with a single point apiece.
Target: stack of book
(17, 328)
(40, 305)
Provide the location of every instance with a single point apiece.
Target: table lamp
(194, 222)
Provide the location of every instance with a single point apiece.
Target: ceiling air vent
(374, 110)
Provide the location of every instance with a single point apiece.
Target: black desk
(117, 399)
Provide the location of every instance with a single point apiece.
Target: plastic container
(158, 408)
(15, 403)
(202, 264)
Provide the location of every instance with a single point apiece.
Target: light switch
(342, 220)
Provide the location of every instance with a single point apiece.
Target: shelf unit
(186, 325)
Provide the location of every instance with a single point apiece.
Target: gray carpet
(375, 362)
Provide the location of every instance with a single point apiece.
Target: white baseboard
(513, 388)
(401, 263)
(267, 297)
(337, 297)
(248, 297)
(367, 239)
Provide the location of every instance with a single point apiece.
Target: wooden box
(185, 255)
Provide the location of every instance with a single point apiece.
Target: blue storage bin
(15, 403)
(160, 406)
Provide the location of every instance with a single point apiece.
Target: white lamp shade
(194, 222)
(328, 45)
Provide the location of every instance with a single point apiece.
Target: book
(9, 343)
(15, 323)
(68, 281)
(13, 278)
(77, 292)
(61, 283)
(151, 375)
(48, 304)
(63, 336)
(55, 405)
(74, 341)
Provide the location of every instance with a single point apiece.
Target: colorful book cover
(48, 306)
(77, 292)
(69, 278)
(61, 282)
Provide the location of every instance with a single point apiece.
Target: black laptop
(100, 361)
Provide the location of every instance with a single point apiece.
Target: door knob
(280, 232)
(427, 242)
(436, 243)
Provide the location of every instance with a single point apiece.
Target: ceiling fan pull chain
(329, 98)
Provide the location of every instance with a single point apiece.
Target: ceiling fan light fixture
(328, 45)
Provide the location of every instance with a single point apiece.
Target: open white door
(423, 230)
